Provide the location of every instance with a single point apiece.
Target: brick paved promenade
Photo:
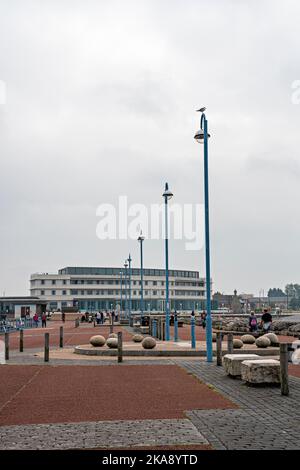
(180, 403)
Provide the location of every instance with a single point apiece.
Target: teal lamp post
(202, 137)
(167, 195)
(140, 240)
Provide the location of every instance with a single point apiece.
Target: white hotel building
(100, 288)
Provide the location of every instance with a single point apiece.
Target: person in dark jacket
(266, 321)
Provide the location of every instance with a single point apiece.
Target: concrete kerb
(168, 353)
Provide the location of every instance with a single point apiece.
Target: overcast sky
(100, 102)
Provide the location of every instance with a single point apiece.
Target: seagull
(201, 110)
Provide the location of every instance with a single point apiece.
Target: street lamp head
(141, 237)
(199, 136)
(167, 193)
(126, 264)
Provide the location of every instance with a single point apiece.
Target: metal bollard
(230, 343)
(120, 347)
(219, 349)
(6, 340)
(21, 340)
(154, 328)
(284, 372)
(46, 350)
(61, 336)
(193, 335)
(175, 328)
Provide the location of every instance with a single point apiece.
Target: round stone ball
(148, 343)
(248, 339)
(112, 335)
(214, 337)
(137, 338)
(273, 338)
(112, 343)
(237, 343)
(97, 341)
(263, 342)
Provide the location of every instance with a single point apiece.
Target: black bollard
(46, 350)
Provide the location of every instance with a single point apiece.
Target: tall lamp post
(129, 279)
(202, 137)
(140, 240)
(121, 293)
(126, 293)
(167, 195)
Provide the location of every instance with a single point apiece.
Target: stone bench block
(262, 371)
(232, 363)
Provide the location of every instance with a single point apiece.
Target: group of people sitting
(265, 322)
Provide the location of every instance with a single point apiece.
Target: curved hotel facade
(100, 288)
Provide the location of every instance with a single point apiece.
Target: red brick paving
(59, 394)
(34, 338)
(294, 370)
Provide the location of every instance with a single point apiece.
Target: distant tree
(294, 303)
(293, 291)
(276, 292)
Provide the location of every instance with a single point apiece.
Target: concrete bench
(232, 363)
(144, 329)
(264, 371)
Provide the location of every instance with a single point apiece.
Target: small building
(21, 307)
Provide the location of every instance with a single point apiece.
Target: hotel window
(64, 292)
(53, 292)
(82, 292)
(42, 292)
(42, 282)
(53, 282)
(64, 281)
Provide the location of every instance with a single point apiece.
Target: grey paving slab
(106, 434)
(264, 420)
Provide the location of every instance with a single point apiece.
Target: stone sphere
(263, 342)
(97, 341)
(148, 343)
(296, 357)
(248, 339)
(237, 343)
(112, 335)
(112, 343)
(273, 338)
(137, 338)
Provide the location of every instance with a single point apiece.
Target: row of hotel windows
(118, 293)
(116, 271)
(54, 282)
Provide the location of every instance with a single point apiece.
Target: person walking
(252, 322)
(44, 320)
(63, 317)
(98, 318)
(36, 319)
